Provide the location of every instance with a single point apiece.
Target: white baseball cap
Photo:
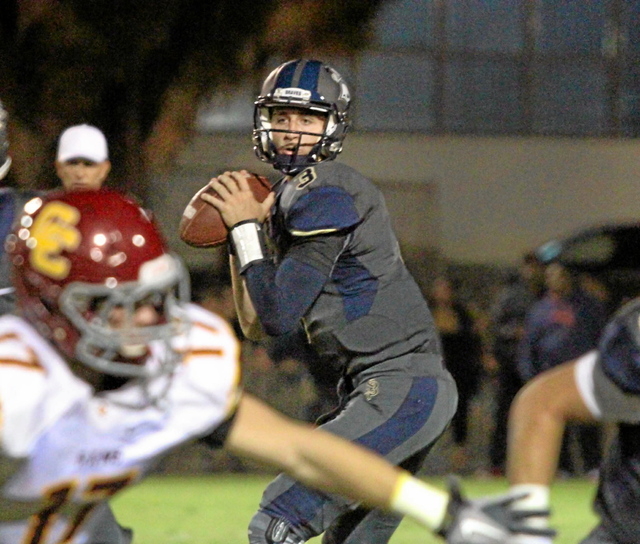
(82, 142)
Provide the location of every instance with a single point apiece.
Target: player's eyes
(157, 300)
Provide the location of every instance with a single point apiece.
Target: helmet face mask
(117, 350)
(5, 160)
(81, 259)
(315, 88)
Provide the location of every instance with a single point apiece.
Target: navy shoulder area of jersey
(325, 198)
(619, 348)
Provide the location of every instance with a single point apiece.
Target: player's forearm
(282, 294)
(537, 421)
(247, 315)
(340, 467)
(535, 436)
(329, 463)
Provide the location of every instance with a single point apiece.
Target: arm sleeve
(282, 294)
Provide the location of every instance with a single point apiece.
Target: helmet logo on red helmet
(53, 231)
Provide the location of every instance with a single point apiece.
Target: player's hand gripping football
(490, 520)
(237, 202)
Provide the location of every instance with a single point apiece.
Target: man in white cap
(82, 161)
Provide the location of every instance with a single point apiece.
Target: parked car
(609, 253)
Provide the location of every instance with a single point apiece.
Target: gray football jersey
(617, 390)
(371, 308)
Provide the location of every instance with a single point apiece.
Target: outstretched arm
(536, 425)
(331, 464)
(537, 421)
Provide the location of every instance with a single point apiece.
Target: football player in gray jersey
(334, 266)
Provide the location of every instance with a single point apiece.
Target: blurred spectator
(564, 324)
(82, 159)
(462, 350)
(506, 328)
(211, 289)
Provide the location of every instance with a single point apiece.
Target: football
(201, 224)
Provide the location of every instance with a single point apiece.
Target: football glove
(488, 520)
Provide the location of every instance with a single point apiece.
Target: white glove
(490, 520)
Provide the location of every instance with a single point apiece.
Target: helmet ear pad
(43, 312)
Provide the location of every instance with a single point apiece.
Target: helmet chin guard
(116, 351)
(308, 85)
(5, 160)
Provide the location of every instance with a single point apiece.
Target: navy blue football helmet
(309, 85)
(5, 160)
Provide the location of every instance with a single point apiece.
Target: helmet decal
(54, 231)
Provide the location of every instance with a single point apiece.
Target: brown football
(201, 224)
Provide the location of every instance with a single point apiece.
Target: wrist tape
(247, 239)
(536, 498)
(425, 504)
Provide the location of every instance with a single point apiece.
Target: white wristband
(536, 497)
(248, 243)
(423, 503)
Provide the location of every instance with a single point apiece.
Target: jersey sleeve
(22, 384)
(282, 295)
(604, 399)
(609, 381)
(619, 348)
(323, 210)
(211, 356)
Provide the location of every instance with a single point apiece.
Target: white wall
(492, 198)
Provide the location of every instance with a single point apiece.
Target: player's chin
(82, 187)
(134, 353)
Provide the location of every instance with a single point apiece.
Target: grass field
(216, 509)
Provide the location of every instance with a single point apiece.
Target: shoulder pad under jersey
(322, 199)
(619, 348)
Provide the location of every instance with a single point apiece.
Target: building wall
(473, 200)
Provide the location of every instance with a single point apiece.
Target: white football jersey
(64, 449)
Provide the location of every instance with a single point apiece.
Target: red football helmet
(78, 255)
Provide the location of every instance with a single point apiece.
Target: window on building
(543, 67)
